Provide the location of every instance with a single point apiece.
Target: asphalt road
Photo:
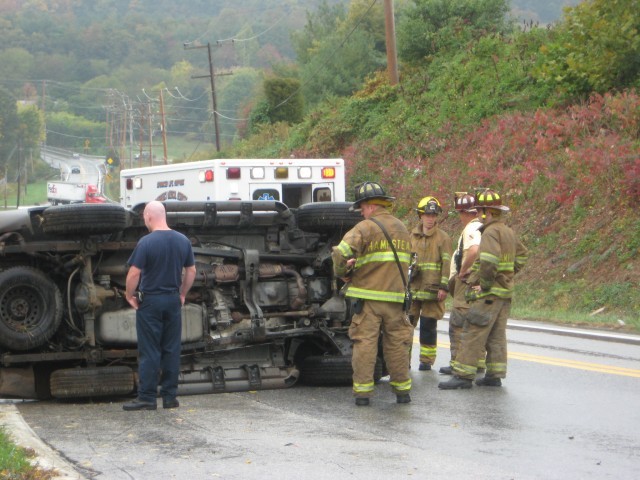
(568, 410)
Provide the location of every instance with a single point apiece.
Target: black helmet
(368, 191)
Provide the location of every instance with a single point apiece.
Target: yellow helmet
(429, 205)
(488, 198)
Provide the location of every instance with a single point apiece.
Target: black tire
(84, 218)
(30, 308)
(323, 217)
(331, 370)
(92, 382)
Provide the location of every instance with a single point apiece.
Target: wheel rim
(22, 308)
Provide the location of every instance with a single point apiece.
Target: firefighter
(501, 255)
(463, 261)
(430, 284)
(373, 258)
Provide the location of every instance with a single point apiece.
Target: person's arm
(133, 279)
(187, 281)
(471, 255)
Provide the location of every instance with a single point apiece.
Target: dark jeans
(159, 328)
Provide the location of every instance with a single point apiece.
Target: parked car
(264, 310)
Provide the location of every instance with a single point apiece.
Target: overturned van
(264, 312)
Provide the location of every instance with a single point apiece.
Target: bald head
(155, 216)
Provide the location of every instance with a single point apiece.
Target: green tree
(337, 49)
(596, 48)
(9, 126)
(284, 99)
(30, 126)
(16, 62)
(433, 25)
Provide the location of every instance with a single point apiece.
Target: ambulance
(291, 181)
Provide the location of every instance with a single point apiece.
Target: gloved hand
(471, 294)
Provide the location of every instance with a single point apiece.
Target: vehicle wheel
(326, 216)
(84, 218)
(30, 308)
(331, 370)
(91, 382)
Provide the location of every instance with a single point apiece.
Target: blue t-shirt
(160, 256)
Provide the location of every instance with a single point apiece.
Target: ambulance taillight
(205, 176)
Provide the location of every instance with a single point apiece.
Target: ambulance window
(266, 194)
(322, 194)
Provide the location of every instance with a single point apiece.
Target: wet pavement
(568, 409)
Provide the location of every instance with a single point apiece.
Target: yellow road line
(560, 362)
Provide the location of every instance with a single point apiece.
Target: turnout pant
(486, 325)
(429, 312)
(375, 319)
(457, 319)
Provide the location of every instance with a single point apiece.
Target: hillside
(572, 179)
(549, 118)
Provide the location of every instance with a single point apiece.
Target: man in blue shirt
(156, 272)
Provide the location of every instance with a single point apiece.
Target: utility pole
(392, 55)
(213, 88)
(162, 127)
(150, 125)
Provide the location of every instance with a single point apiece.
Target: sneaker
(424, 367)
(455, 383)
(489, 382)
(170, 403)
(362, 401)
(404, 398)
(446, 370)
(138, 404)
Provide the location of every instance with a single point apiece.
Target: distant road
(75, 167)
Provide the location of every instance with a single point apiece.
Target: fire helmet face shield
(369, 191)
(428, 205)
(488, 198)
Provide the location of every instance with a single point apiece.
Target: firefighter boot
(403, 398)
(424, 367)
(455, 383)
(489, 382)
(446, 370)
(362, 401)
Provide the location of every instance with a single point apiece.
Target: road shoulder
(24, 436)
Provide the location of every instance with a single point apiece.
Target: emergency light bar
(233, 173)
(329, 172)
(257, 173)
(282, 172)
(304, 173)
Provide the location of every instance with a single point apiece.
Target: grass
(15, 464)
(36, 194)
(596, 319)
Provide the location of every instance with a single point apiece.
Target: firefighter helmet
(488, 198)
(369, 191)
(465, 202)
(429, 205)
